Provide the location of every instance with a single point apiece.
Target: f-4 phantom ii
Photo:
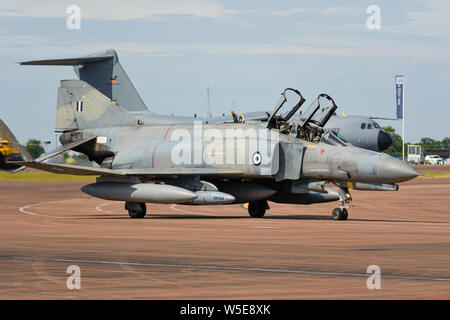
(147, 158)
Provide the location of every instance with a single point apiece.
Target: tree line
(427, 143)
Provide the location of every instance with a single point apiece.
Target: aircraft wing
(154, 173)
(180, 172)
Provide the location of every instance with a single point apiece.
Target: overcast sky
(246, 51)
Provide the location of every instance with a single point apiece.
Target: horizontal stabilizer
(69, 169)
(63, 148)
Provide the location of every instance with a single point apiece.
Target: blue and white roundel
(257, 158)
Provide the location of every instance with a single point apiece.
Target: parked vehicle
(433, 159)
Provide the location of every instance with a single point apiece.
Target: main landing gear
(136, 210)
(257, 209)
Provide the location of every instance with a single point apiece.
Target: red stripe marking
(164, 139)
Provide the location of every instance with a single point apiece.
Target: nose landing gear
(340, 214)
(345, 198)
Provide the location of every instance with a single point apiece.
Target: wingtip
(18, 169)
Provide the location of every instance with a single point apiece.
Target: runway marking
(174, 207)
(99, 207)
(227, 268)
(266, 227)
(24, 208)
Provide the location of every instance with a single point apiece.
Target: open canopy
(290, 101)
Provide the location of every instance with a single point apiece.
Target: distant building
(416, 153)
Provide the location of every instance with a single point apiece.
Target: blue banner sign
(399, 96)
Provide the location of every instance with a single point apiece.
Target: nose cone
(394, 170)
(384, 140)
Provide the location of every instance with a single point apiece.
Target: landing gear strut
(345, 198)
(257, 209)
(136, 210)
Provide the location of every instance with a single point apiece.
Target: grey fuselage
(291, 161)
(360, 131)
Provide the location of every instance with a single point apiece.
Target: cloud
(346, 39)
(340, 10)
(40, 47)
(116, 9)
(431, 21)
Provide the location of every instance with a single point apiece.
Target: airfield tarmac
(218, 252)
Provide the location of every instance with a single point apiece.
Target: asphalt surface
(219, 252)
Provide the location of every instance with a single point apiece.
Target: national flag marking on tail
(79, 106)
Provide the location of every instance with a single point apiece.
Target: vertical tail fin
(102, 71)
(80, 106)
(6, 134)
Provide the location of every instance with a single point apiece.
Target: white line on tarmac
(174, 207)
(24, 208)
(227, 268)
(99, 207)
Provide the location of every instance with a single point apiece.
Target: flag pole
(403, 120)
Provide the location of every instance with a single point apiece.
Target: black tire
(340, 214)
(138, 212)
(345, 214)
(257, 209)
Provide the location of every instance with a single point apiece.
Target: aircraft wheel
(345, 213)
(340, 214)
(136, 210)
(257, 209)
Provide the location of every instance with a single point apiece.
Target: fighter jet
(148, 158)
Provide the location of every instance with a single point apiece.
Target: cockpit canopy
(290, 101)
(318, 112)
(306, 125)
(333, 138)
